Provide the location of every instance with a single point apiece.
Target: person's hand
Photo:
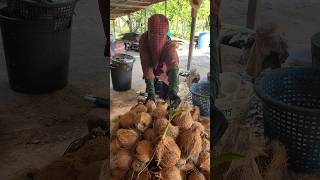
(174, 100)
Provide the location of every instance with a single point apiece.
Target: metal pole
(193, 26)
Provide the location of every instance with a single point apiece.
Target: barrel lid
(315, 40)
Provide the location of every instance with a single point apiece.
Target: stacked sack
(145, 147)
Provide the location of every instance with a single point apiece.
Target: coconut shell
(144, 151)
(126, 121)
(172, 173)
(122, 159)
(145, 175)
(150, 135)
(205, 144)
(161, 124)
(196, 176)
(114, 146)
(184, 121)
(190, 143)
(139, 108)
(127, 138)
(142, 121)
(204, 161)
(195, 113)
(138, 166)
(159, 113)
(151, 106)
(118, 174)
(167, 152)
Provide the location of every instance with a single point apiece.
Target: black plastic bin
(121, 72)
(291, 112)
(315, 48)
(37, 56)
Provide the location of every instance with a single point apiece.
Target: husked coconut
(118, 174)
(205, 144)
(137, 165)
(127, 138)
(204, 161)
(127, 120)
(159, 113)
(172, 173)
(145, 175)
(142, 121)
(184, 121)
(196, 176)
(198, 125)
(195, 113)
(185, 165)
(114, 146)
(144, 151)
(122, 159)
(150, 135)
(190, 143)
(167, 152)
(161, 124)
(139, 108)
(151, 106)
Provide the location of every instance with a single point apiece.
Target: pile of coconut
(152, 142)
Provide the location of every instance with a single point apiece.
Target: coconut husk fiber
(137, 165)
(190, 143)
(144, 151)
(139, 108)
(204, 161)
(161, 124)
(150, 134)
(126, 120)
(127, 138)
(159, 113)
(142, 121)
(167, 152)
(195, 113)
(184, 121)
(118, 174)
(172, 173)
(196, 175)
(122, 159)
(151, 106)
(145, 175)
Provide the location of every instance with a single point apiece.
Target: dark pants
(161, 89)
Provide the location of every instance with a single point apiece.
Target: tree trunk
(129, 23)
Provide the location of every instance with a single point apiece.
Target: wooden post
(193, 25)
(253, 13)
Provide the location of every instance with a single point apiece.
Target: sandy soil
(36, 129)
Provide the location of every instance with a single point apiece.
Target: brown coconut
(172, 173)
(190, 143)
(163, 105)
(204, 161)
(151, 106)
(144, 151)
(195, 113)
(198, 125)
(138, 166)
(150, 134)
(118, 174)
(184, 121)
(159, 113)
(167, 152)
(161, 124)
(196, 176)
(142, 121)
(127, 138)
(205, 144)
(126, 121)
(185, 165)
(145, 175)
(139, 108)
(114, 146)
(122, 159)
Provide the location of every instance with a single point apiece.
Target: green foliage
(178, 14)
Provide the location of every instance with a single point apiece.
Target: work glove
(173, 77)
(150, 89)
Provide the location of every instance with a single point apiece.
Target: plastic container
(291, 111)
(315, 49)
(203, 40)
(121, 72)
(201, 97)
(37, 56)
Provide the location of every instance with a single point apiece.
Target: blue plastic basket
(201, 97)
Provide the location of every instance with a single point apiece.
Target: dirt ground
(36, 129)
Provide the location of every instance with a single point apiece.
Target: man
(160, 61)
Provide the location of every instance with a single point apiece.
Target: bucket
(121, 72)
(315, 49)
(37, 56)
(204, 40)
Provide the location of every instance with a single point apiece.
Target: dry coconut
(126, 121)
(167, 152)
(137, 165)
(172, 173)
(144, 151)
(142, 121)
(118, 174)
(195, 113)
(163, 105)
(150, 135)
(204, 161)
(161, 124)
(196, 176)
(114, 146)
(151, 106)
(139, 108)
(159, 113)
(198, 125)
(190, 143)
(122, 159)
(145, 175)
(127, 138)
(205, 144)
(185, 165)
(184, 120)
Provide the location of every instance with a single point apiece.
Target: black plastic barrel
(37, 55)
(315, 48)
(121, 72)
